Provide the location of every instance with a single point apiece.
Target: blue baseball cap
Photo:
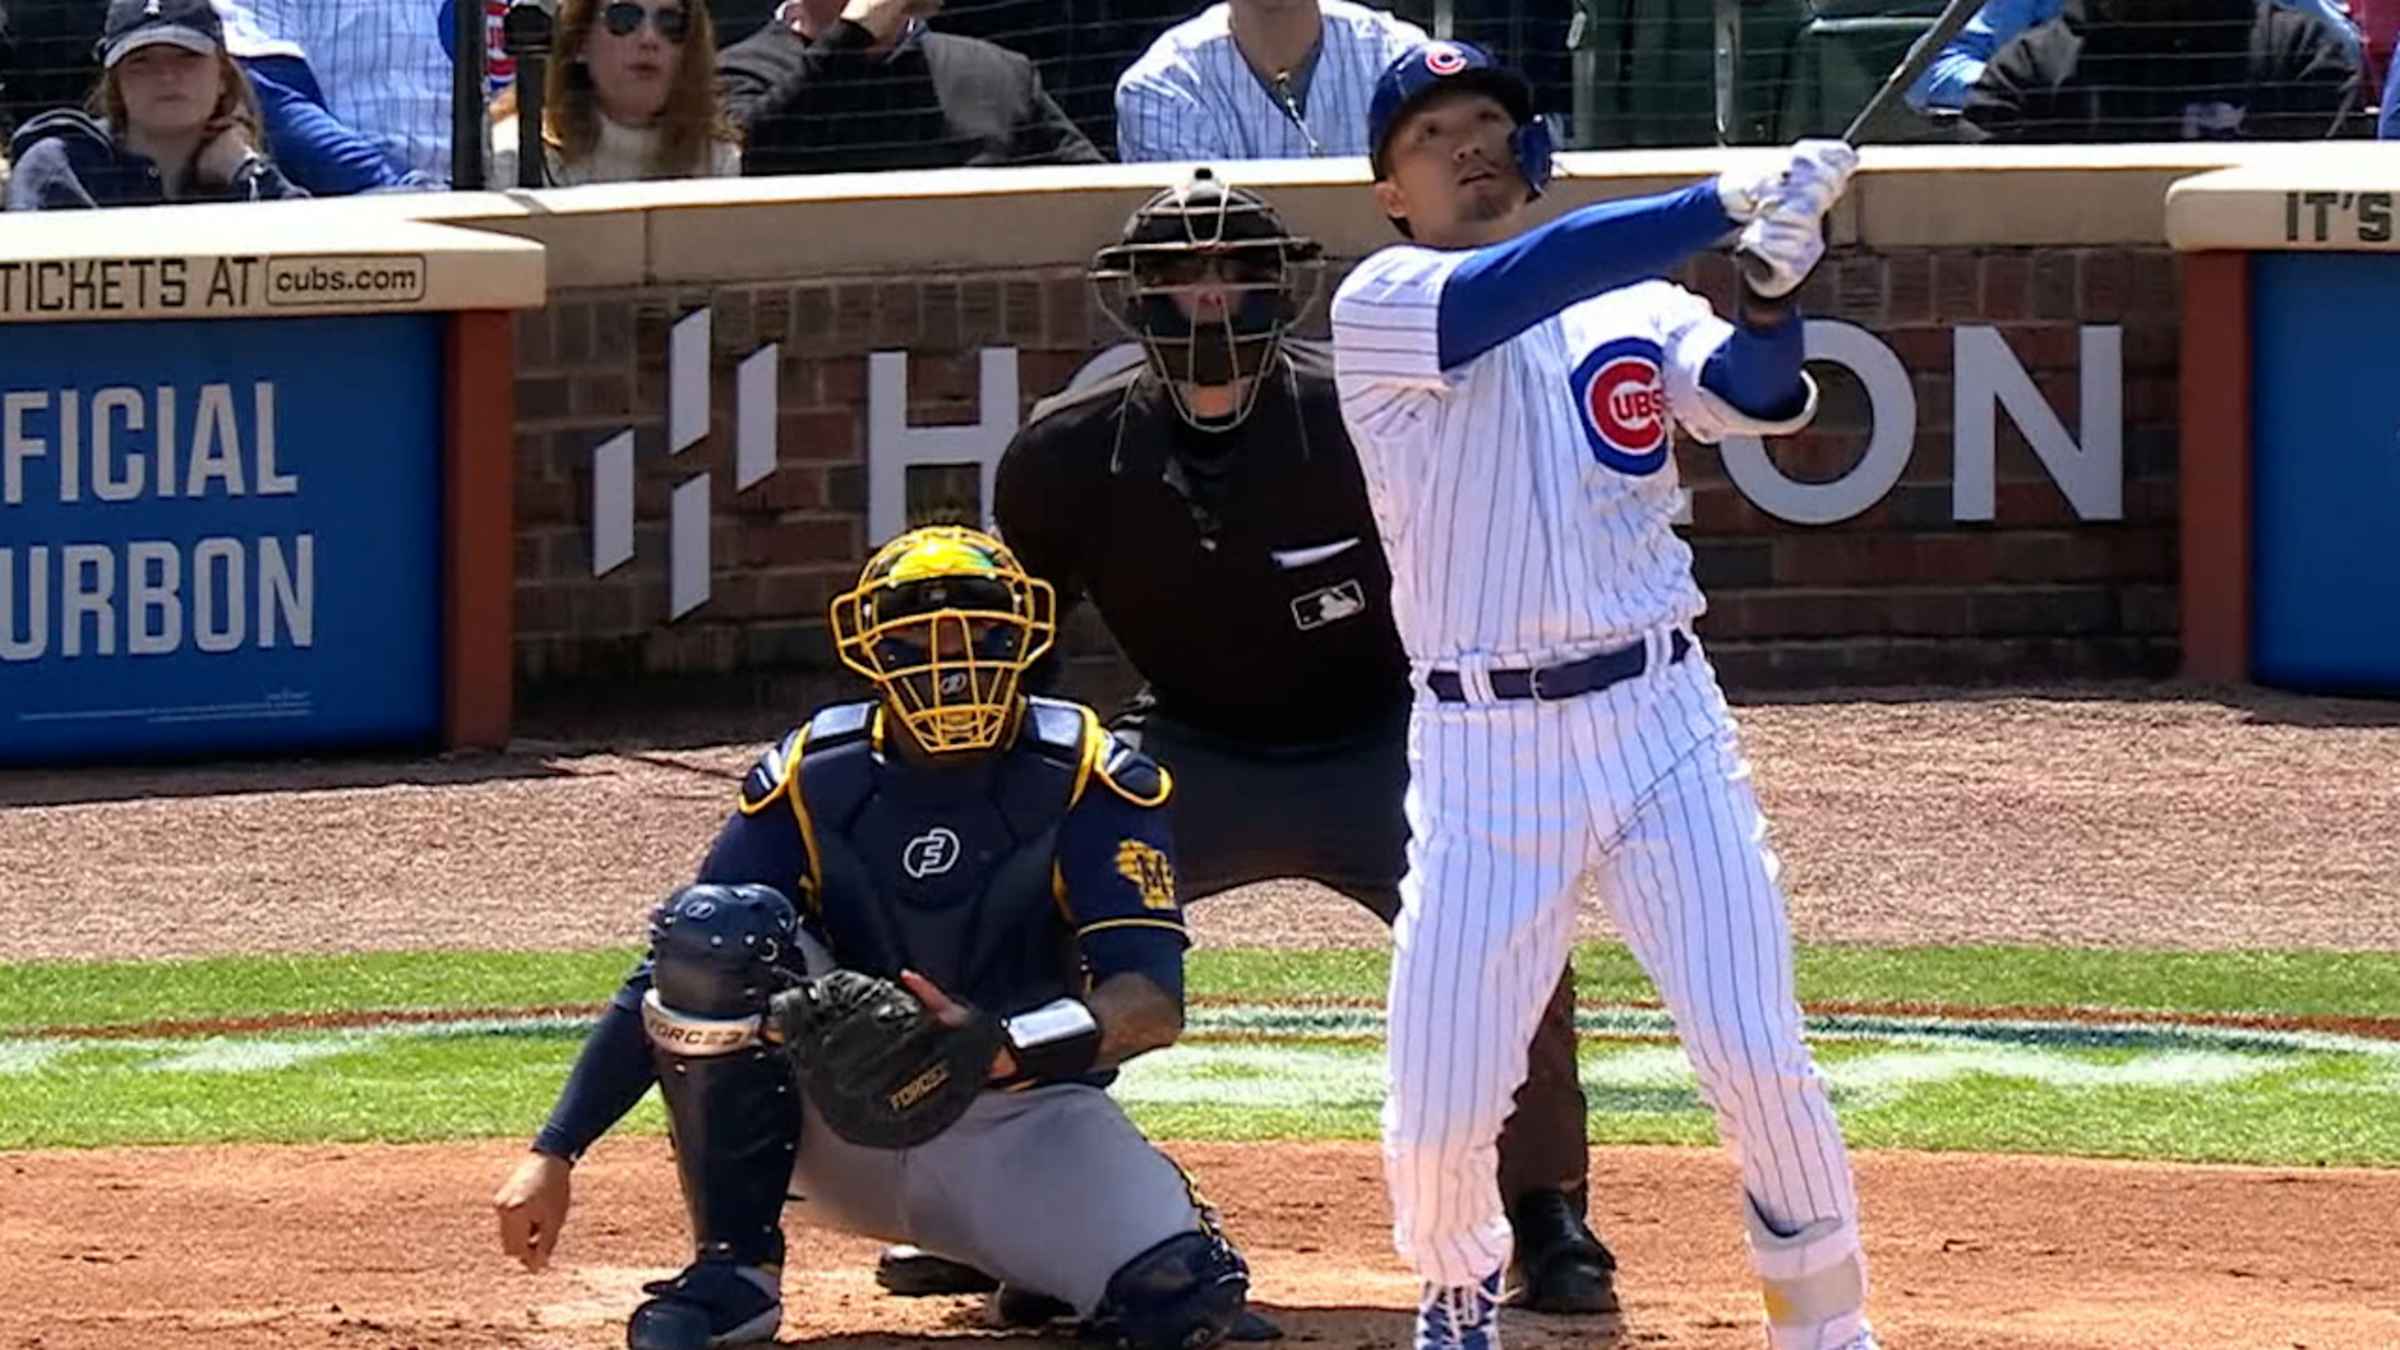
(1415, 75)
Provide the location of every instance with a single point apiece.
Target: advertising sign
(219, 536)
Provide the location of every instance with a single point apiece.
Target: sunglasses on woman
(624, 18)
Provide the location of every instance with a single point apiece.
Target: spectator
(830, 87)
(2169, 70)
(1259, 79)
(631, 94)
(48, 56)
(1943, 87)
(170, 119)
(356, 93)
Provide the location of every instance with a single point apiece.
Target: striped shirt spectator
(356, 92)
(1259, 79)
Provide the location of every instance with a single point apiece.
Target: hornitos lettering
(147, 597)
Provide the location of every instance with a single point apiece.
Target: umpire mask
(945, 622)
(1208, 280)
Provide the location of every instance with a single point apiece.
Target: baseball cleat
(913, 1272)
(1562, 1267)
(711, 1304)
(1014, 1306)
(1460, 1316)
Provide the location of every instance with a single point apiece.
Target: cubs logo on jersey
(1621, 401)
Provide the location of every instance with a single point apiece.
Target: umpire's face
(1449, 171)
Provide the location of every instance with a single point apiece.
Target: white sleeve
(1398, 36)
(1387, 319)
(1690, 332)
(1162, 116)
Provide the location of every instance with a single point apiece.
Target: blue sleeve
(314, 148)
(1945, 83)
(763, 848)
(1116, 869)
(2387, 122)
(2332, 12)
(1500, 291)
(609, 1077)
(1757, 370)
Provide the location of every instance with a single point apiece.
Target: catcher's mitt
(880, 1067)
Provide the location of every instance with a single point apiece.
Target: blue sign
(2324, 473)
(219, 536)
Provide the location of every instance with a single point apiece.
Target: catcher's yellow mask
(945, 622)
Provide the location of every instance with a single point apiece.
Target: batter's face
(1450, 172)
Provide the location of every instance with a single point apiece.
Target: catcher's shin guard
(736, 1128)
(732, 1108)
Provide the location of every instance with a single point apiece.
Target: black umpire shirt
(1239, 570)
(938, 101)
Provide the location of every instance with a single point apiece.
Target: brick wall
(1902, 593)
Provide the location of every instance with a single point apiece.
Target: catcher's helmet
(1156, 282)
(945, 622)
(1417, 74)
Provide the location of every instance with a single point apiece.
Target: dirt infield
(2154, 817)
(2144, 817)
(392, 1249)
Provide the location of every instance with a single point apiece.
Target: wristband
(1059, 1039)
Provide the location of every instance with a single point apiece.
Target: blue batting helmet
(1414, 76)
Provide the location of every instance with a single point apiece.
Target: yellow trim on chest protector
(787, 772)
(1097, 748)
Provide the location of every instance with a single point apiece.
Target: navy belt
(1570, 680)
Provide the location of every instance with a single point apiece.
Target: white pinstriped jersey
(384, 66)
(1527, 498)
(1193, 96)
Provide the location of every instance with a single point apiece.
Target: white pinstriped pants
(1509, 803)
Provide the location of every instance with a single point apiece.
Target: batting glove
(1783, 248)
(1807, 181)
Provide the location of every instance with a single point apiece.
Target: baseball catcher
(943, 917)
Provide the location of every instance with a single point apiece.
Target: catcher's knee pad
(732, 1108)
(714, 949)
(1183, 1294)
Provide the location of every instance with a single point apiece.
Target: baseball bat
(1920, 55)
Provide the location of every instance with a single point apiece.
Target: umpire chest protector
(948, 871)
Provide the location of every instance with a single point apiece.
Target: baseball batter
(970, 843)
(1510, 392)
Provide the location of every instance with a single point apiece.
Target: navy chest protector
(950, 872)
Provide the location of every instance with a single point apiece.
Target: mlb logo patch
(1621, 401)
(1329, 605)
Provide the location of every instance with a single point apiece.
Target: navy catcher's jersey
(1027, 874)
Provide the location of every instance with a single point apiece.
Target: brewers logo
(1622, 403)
(1150, 873)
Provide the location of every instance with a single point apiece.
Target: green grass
(123, 993)
(92, 994)
(2195, 1097)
